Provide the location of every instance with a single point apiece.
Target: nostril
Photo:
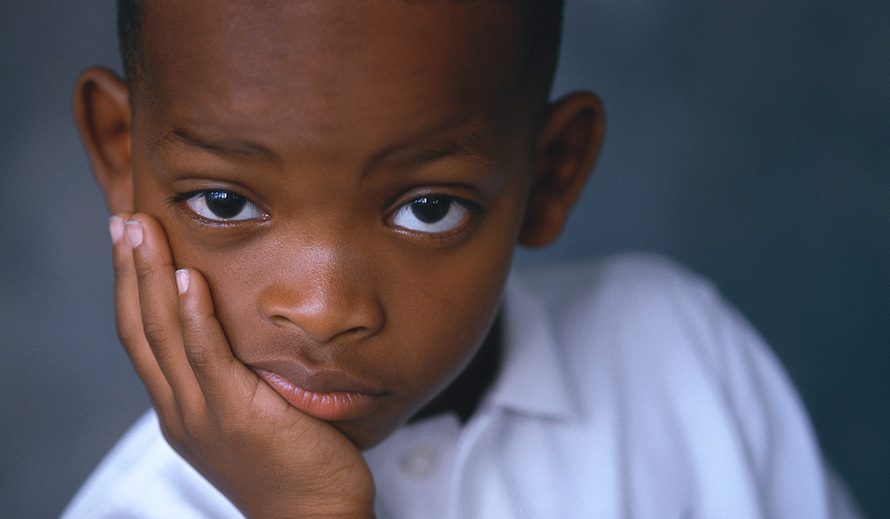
(324, 300)
(328, 320)
(279, 320)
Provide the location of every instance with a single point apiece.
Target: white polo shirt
(628, 388)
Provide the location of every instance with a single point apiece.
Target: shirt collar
(533, 379)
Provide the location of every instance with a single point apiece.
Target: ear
(567, 146)
(102, 113)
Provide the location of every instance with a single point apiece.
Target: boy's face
(381, 160)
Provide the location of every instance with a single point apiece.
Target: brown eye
(220, 205)
(431, 214)
(430, 209)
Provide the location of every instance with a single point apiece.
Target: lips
(324, 394)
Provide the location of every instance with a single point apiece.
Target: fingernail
(134, 233)
(116, 227)
(182, 280)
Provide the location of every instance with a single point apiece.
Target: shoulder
(142, 477)
(640, 300)
(644, 321)
(648, 317)
(656, 351)
(621, 283)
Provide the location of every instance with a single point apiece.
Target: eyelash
(476, 214)
(180, 201)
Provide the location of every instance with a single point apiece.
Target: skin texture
(328, 121)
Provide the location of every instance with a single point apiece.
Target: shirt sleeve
(793, 479)
(142, 477)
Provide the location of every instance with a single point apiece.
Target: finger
(129, 318)
(227, 384)
(159, 306)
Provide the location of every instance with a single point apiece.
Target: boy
(315, 207)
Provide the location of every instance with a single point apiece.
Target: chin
(364, 434)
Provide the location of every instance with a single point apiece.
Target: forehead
(314, 65)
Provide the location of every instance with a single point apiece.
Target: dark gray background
(747, 139)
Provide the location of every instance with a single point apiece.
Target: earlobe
(567, 146)
(102, 112)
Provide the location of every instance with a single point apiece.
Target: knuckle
(195, 346)
(130, 336)
(185, 432)
(147, 272)
(178, 440)
(127, 327)
(191, 325)
(155, 333)
(199, 359)
(127, 335)
(194, 426)
(172, 429)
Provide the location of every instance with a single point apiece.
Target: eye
(432, 214)
(224, 206)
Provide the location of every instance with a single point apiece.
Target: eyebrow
(472, 146)
(468, 146)
(242, 148)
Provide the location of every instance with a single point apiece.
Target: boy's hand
(267, 457)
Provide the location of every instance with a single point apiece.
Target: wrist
(341, 507)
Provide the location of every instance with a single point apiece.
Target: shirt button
(419, 461)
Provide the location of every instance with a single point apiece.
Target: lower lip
(333, 406)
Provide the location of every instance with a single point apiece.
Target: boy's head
(350, 177)
(540, 33)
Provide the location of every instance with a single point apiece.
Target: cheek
(446, 305)
(447, 325)
(232, 276)
(232, 269)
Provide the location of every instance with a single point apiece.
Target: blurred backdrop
(749, 140)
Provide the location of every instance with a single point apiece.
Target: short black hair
(543, 20)
(129, 37)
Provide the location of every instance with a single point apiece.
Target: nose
(326, 295)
